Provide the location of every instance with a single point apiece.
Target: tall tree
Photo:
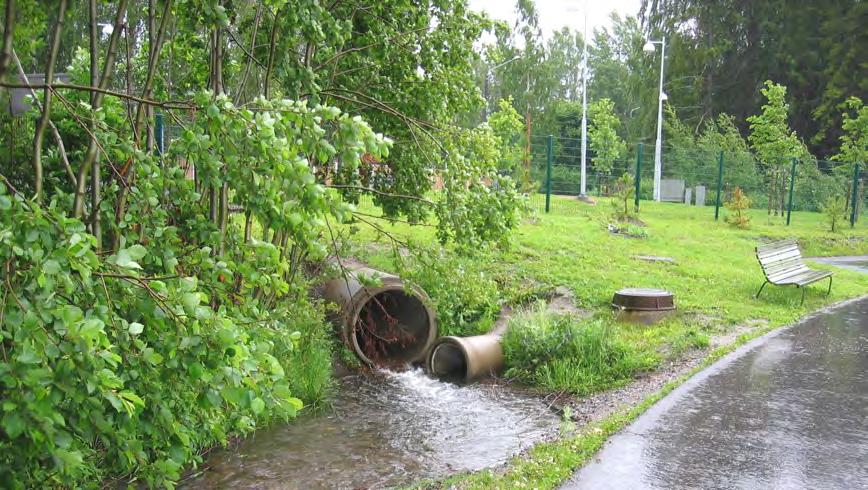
(774, 143)
(720, 52)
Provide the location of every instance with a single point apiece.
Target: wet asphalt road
(788, 410)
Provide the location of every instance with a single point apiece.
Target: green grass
(558, 352)
(714, 278)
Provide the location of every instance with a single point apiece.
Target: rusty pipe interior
(382, 320)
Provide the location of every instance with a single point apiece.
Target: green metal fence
(781, 187)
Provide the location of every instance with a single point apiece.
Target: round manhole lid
(644, 299)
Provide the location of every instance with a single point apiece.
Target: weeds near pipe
(557, 352)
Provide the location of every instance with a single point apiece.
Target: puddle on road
(384, 430)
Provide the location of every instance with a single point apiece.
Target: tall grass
(559, 352)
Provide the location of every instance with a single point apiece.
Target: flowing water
(382, 430)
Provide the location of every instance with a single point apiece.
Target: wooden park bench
(782, 265)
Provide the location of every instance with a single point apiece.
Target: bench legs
(761, 289)
(828, 291)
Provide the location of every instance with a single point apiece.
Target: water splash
(386, 429)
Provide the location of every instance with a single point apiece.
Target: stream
(383, 430)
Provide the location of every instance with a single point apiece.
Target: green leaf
(151, 356)
(137, 251)
(295, 403)
(67, 460)
(135, 328)
(125, 259)
(190, 302)
(188, 284)
(28, 355)
(257, 405)
(13, 424)
(132, 397)
(51, 267)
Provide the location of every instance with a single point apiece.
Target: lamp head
(649, 47)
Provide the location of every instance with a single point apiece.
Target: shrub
(835, 210)
(738, 205)
(110, 367)
(555, 352)
(625, 190)
(464, 295)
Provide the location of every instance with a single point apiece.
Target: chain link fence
(697, 177)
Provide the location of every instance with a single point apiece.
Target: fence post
(792, 185)
(638, 178)
(158, 132)
(549, 173)
(719, 184)
(854, 215)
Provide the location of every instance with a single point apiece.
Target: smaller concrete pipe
(384, 325)
(464, 359)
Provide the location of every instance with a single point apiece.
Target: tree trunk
(771, 189)
(8, 32)
(271, 48)
(96, 102)
(46, 106)
(96, 183)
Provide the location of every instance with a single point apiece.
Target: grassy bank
(714, 277)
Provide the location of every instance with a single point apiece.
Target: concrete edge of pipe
(407, 304)
(465, 359)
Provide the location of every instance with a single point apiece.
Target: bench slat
(776, 246)
(794, 263)
(793, 278)
(780, 255)
(804, 278)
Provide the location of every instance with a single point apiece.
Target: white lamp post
(658, 147)
(583, 188)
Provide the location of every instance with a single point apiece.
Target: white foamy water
(386, 429)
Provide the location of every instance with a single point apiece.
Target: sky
(555, 14)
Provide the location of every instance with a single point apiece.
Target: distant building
(19, 98)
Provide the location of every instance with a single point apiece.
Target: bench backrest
(780, 260)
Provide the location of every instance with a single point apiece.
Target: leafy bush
(738, 205)
(555, 352)
(625, 190)
(105, 368)
(464, 296)
(835, 210)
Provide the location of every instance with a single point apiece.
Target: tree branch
(173, 104)
(63, 157)
(46, 110)
(250, 59)
(8, 32)
(271, 43)
(381, 193)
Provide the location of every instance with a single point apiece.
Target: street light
(583, 188)
(650, 47)
(488, 75)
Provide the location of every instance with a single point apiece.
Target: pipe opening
(448, 362)
(392, 328)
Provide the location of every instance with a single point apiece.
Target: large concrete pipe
(387, 324)
(463, 359)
